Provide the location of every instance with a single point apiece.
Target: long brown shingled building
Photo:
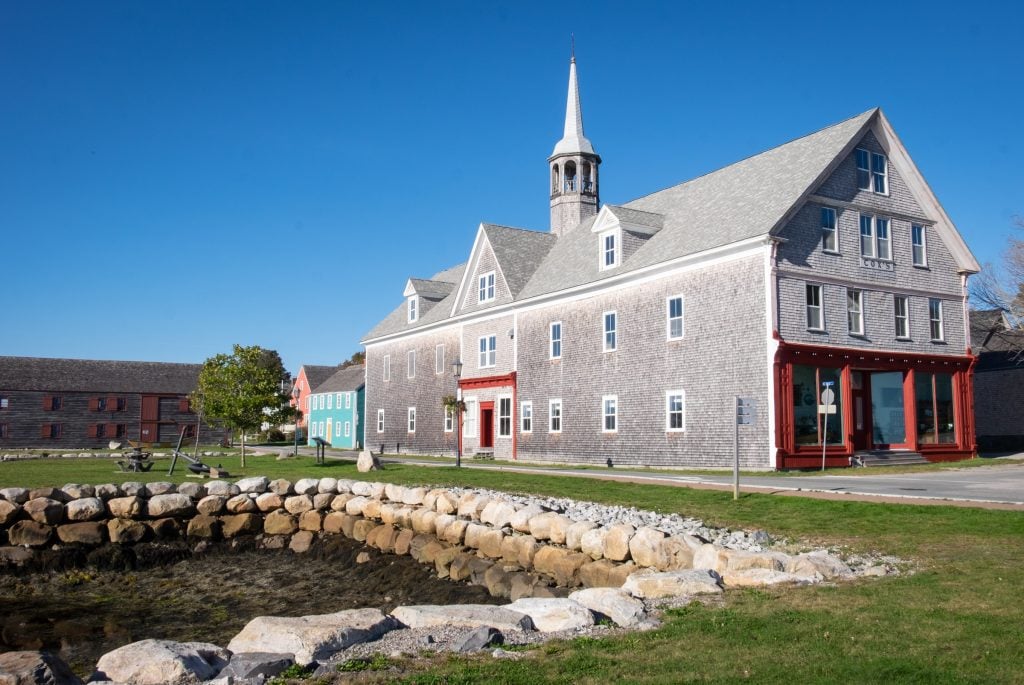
(81, 403)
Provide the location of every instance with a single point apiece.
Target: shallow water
(82, 613)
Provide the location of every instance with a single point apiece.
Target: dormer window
(872, 172)
(413, 308)
(486, 283)
(609, 250)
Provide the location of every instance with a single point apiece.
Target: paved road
(1002, 484)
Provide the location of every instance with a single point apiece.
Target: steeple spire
(573, 140)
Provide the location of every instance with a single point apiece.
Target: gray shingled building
(998, 381)
(627, 333)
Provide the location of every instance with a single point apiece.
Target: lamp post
(457, 372)
(295, 396)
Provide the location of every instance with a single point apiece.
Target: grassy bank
(957, 619)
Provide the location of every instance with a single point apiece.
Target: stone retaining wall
(514, 549)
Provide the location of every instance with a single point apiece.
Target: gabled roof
(431, 290)
(344, 380)
(315, 375)
(398, 320)
(92, 375)
(636, 220)
(519, 251)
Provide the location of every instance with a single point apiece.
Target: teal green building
(336, 409)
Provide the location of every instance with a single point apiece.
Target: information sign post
(746, 414)
(826, 408)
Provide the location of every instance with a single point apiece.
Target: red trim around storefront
(497, 382)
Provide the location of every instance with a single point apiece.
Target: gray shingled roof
(397, 320)
(93, 375)
(315, 375)
(432, 290)
(635, 216)
(344, 380)
(519, 252)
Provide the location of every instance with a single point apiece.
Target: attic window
(609, 249)
(413, 308)
(486, 287)
(872, 172)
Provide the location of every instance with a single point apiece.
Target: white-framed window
(610, 414)
(320, 430)
(863, 169)
(815, 312)
(829, 230)
(526, 417)
(901, 317)
(609, 249)
(387, 368)
(439, 359)
(875, 241)
(380, 420)
(486, 283)
(309, 402)
(348, 429)
(855, 311)
(449, 420)
(330, 401)
(348, 400)
(413, 308)
(555, 348)
(675, 411)
(610, 341)
(337, 402)
(488, 351)
(918, 245)
(412, 420)
(555, 416)
(312, 429)
(674, 317)
(337, 430)
(410, 364)
(872, 171)
(321, 401)
(469, 424)
(935, 318)
(504, 417)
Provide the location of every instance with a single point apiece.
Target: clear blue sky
(177, 177)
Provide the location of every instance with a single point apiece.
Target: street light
(295, 396)
(457, 372)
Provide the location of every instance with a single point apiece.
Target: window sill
(817, 330)
(861, 336)
(610, 351)
(923, 267)
(835, 253)
(904, 339)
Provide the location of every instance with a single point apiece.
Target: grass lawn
(958, 619)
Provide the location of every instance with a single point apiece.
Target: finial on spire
(572, 46)
(573, 140)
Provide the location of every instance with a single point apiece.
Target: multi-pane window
(439, 359)
(413, 308)
(815, 313)
(863, 169)
(874, 237)
(348, 400)
(555, 416)
(867, 236)
(380, 420)
(53, 402)
(320, 429)
(556, 340)
(917, 245)
(504, 416)
(610, 331)
(348, 428)
(855, 311)
(469, 424)
(321, 401)
(674, 417)
(609, 250)
(387, 367)
(4, 402)
(882, 239)
(337, 402)
(935, 318)
(609, 413)
(829, 232)
(675, 317)
(412, 420)
(486, 283)
(337, 430)
(330, 401)
(872, 171)
(526, 417)
(449, 420)
(410, 364)
(488, 351)
(900, 316)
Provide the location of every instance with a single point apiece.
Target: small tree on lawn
(244, 389)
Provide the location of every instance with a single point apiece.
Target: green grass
(958, 619)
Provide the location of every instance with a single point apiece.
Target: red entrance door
(860, 386)
(487, 424)
(149, 432)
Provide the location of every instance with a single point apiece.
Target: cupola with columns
(573, 166)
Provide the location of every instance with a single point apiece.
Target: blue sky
(177, 177)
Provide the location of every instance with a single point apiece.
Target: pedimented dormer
(422, 294)
(620, 232)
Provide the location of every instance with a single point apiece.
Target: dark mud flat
(168, 592)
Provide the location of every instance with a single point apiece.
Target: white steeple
(573, 140)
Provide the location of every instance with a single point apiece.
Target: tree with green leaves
(244, 389)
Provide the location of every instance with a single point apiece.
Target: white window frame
(337, 429)
(935, 305)
(348, 400)
(820, 306)
(526, 417)
(505, 402)
(380, 420)
(411, 424)
(610, 410)
(320, 430)
(921, 247)
(439, 359)
(863, 168)
(867, 221)
(905, 318)
(855, 311)
(829, 230)
(348, 429)
(449, 420)
(321, 401)
(669, 319)
(487, 345)
(330, 401)
(553, 341)
(387, 368)
(607, 334)
(606, 250)
(881, 222)
(485, 291)
(413, 309)
(882, 174)
(410, 364)
(469, 427)
(669, 394)
(557, 402)
(337, 400)
(309, 403)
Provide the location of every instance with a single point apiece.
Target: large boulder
(520, 521)
(126, 507)
(368, 462)
(222, 488)
(35, 668)
(161, 488)
(574, 534)
(16, 495)
(204, 527)
(256, 666)
(281, 487)
(194, 491)
(86, 533)
(170, 506)
(211, 505)
(645, 546)
(311, 638)
(821, 564)
(617, 605)
(134, 488)
(560, 564)
(269, 501)
(462, 616)
(604, 573)
(107, 491)
(78, 491)
(126, 531)
(497, 513)
(241, 504)
(763, 577)
(280, 523)
(44, 510)
(48, 493)
(549, 526)
(616, 542)
(162, 662)
(673, 583)
(255, 484)
(592, 542)
(241, 524)
(327, 486)
(550, 615)
(307, 486)
(85, 509)
(9, 511)
(29, 534)
(297, 504)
